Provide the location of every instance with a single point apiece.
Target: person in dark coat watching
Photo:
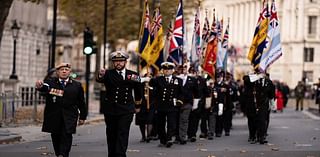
(120, 104)
(64, 100)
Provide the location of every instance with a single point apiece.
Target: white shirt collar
(170, 77)
(66, 80)
(123, 71)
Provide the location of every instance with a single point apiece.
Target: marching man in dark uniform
(119, 105)
(64, 100)
(223, 105)
(199, 111)
(168, 97)
(190, 98)
(259, 90)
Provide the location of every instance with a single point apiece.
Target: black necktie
(120, 73)
(167, 79)
(62, 83)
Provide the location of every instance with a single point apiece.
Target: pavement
(26, 133)
(32, 132)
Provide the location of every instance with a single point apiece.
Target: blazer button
(116, 97)
(165, 89)
(163, 99)
(116, 101)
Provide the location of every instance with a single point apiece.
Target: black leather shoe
(193, 139)
(202, 135)
(227, 133)
(183, 142)
(169, 144)
(263, 141)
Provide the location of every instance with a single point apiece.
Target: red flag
(211, 51)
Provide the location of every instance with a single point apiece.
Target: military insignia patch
(176, 82)
(133, 77)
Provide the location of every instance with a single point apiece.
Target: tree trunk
(4, 11)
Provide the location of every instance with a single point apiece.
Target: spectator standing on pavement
(279, 99)
(285, 91)
(299, 91)
(120, 104)
(64, 100)
(318, 94)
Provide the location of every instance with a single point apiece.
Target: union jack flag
(205, 30)
(176, 40)
(274, 16)
(156, 23)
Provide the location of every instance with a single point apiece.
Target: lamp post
(15, 32)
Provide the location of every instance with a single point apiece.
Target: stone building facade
(32, 48)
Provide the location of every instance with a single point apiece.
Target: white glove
(220, 109)
(145, 79)
(208, 103)
(195, 104)
(254, 77)
(174, 102)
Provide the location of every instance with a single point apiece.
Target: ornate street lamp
(15, 34)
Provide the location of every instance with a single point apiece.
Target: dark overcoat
(63, 105)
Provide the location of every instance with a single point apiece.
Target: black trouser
(117, 128)
(62, 142)
(261, 124)
(193, 125)
(169, 118)
(223, 122)
(219, 125)
(252, 122)
(227, 120)
(204, 121)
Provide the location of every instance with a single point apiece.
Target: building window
(308, 54)
(312, 25)
(308, 76)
